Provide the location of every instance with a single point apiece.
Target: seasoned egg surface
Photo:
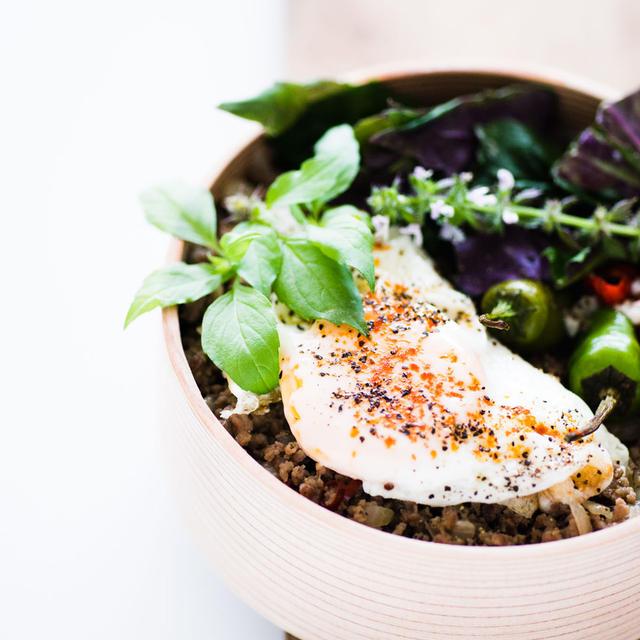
(429, 407)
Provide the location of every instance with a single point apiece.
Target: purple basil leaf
(604, 161)
(594, 166)
(485, 260)
(621, 121)
(443, 139)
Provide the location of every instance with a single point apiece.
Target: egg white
(430, 408)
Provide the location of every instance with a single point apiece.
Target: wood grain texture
(323, 577)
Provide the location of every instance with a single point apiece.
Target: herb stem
(565, 219)
(455, 202)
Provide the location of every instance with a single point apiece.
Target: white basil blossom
(481, 197)
(421, 173)
(414, 232)
(451, 233)
(445, 183)
(528, 194)
(439, 208)
(381, 229)
(509, 217)
(506, 181)
(466, 176)
(240, 205)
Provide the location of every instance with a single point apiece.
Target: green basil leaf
(344, 235)
(324, 176)
(239, 334)
(390, 118)
(221, 264)
(510, 144)
(174, 284)
(261, 263)
(183, 211)
(235, 243)
(346, 105)
(566, 268)
(281, 105)
(314, 286)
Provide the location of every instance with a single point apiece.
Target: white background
(97, 102)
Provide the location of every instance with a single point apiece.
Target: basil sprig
(324, 176)
(306, 266)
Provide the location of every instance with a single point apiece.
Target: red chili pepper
(614, 286)
(351, 488)
(344, 492)
(337, 497)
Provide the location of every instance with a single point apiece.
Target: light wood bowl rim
(287, 496)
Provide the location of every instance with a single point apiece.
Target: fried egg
(429, 407)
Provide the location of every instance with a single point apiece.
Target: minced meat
(268, 440)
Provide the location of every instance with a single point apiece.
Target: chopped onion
(583, 522)
(248, 402)
(524, 506)
(597, 509)
(378, 516)
(464, 529)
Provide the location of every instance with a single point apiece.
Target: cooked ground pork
(268, 440)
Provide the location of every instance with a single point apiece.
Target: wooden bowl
(323, 577)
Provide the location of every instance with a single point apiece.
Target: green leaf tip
(183, 211)
(173, 284)
(322, 177)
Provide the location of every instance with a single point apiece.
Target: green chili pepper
(607, 363)
(526, 312)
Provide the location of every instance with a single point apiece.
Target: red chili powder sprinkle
(396, 395)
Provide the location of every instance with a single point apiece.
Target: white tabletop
(98, 102)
